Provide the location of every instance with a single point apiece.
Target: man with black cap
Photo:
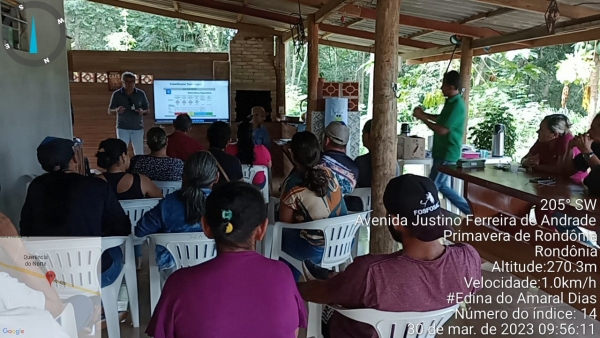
(334, 156)
(65, 203)
(417, 279)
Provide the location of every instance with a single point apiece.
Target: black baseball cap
(55, 152)
(412, 197)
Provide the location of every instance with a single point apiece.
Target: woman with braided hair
(309, 193)
(239, 293)
(182, 210)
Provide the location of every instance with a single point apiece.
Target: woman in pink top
(551, 148)
(547, 156)
(239, 293)
(249, 153)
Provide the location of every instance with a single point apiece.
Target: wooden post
(280, 69)
(466, 63)
(384, 128)
(313, 69)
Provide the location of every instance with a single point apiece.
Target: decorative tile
(331, 89)
(350, 89)
(76, 77)
(353, 105)
(353, 148)
(137, 78)
(88, 77)
(147, 79)
(101, 77)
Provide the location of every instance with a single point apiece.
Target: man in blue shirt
(334, 156)
(261, 134)
(130, 105)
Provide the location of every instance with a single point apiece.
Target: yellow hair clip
(229, 228)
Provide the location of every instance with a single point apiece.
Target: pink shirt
(399, 283)
(236, 294)
(552, 151)
(262, 156)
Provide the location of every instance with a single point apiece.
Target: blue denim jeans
(442, 183)
(115, 255)
(300, 249)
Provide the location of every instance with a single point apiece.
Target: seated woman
(547, 155)
(250, 154)
(309, 193)
(239, 293)
(157, 166)
(182, 210)
(551, 148)
(112, 156)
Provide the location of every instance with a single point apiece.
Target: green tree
(96, 26)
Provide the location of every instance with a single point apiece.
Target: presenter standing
(130, 104)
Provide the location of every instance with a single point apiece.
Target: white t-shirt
(14, 294)
(22, 311)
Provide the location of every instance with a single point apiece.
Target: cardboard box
(411, 147)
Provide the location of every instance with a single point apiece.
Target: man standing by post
(130, 104)
(449, 129)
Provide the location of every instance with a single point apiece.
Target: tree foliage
(517, 87)
(96, 26)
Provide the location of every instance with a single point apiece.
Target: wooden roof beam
(347, 25)
(330, 6)
(413, 21)
(371, 36)
(320, 15)
(365, 49)
(540, 32)
(474, 18)
(241, 16)
(540, 6)
(568, 38)
(172, 14)
(516, 39)
(244, 10)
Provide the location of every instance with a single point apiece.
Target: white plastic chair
(76, 264)
(28, 180)
(401, 324)
(168, 187)
(188, 249)
(135, 209)
(67, 321)
(249, 173)
(365, 196)
(339, 233)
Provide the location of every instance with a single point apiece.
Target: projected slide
(203, 101)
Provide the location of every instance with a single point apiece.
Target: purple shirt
(399, 283)
(235, 295)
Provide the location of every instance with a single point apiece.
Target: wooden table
(495, 194)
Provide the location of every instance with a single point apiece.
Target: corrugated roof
(206, 12)
(444, 10)
(513, 21)
(284, 7)
(440, 10)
